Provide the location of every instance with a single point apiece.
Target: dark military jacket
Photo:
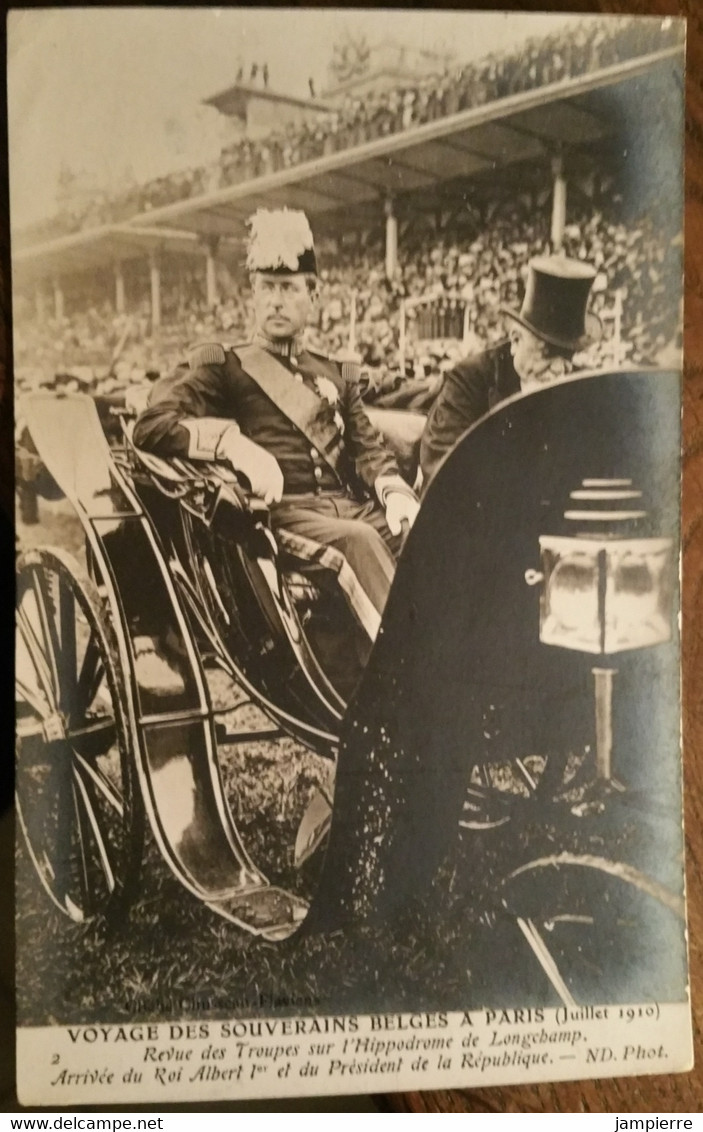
(469, 391)
(224, 390)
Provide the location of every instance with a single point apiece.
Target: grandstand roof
(484, 138)
(233, 100)
(99, 247)
(492, 136)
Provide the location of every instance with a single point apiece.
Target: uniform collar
(281, 347)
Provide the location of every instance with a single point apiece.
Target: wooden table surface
(680, 1092)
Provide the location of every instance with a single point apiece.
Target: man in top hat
(291, 421)
(550, 327)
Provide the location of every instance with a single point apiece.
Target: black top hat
(556, 297)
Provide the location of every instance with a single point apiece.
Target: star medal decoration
(329, 392)
(327, 389)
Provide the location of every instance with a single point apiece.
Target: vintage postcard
(347, 358)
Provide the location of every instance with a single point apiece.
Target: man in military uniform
(551, 326)
(292, 423)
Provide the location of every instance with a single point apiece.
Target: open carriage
(462, 683)
(115, 715)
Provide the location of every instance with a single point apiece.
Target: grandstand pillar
(210, 272)
(58, 301)
(39, 304)
(119, 289)
(155, 273)
(391, 239)
(558, 203)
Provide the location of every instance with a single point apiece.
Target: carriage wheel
(499, 792)
(81, 818)
(594, 926)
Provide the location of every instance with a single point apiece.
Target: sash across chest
(305, 409)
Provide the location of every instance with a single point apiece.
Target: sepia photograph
(347, 353)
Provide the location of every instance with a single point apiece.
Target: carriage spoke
(37, 657)
(61, 853)
(486, 776)
(546, 960)
(101, 782)
(33, 698)
(67, 672)
(91, 676)
(526, 776)
(80, 817)
(94, 738)
(82, 841)
(89, 830)
(48, 626)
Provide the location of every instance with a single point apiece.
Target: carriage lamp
(603, 590)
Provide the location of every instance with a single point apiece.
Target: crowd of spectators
(479, 266)
(638, 264)
(588, 46)
(585, 46)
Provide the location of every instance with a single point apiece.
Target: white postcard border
(243, 1059)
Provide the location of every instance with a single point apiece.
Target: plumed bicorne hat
(556, 301)
(280, 242)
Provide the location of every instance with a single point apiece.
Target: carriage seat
(402, 431)
(298, 570)
(178, 478)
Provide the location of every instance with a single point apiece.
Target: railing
(439, 318)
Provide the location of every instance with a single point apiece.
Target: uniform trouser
(357, 530)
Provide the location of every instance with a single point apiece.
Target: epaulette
(206, 354)
(350, 371)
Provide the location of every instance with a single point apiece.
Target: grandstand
(439, 192)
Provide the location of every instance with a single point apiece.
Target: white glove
(259, 466)
(136, 398)
(400, 508)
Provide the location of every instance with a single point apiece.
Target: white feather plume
(277, 238)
